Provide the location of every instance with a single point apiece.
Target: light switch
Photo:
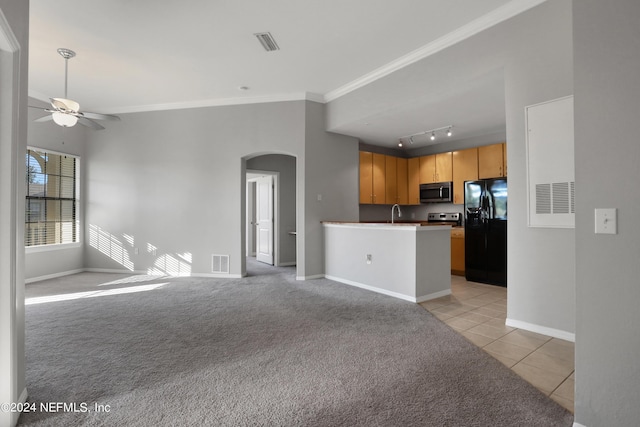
(606, 221)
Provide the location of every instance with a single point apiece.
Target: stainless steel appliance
(485, 229)
(436, 192)
(454, 218)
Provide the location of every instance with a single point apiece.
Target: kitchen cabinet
(457, 251)
(413, 180)
(436, 168)
(372, 178)
(492, 161)
(403, 181)
(465, 168)
(391, 180)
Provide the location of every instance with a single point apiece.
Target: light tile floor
(478, 312)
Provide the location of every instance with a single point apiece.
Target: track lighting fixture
(431, 133)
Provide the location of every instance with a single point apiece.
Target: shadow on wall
(122, 250)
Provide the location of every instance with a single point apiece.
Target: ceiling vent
(267, 41)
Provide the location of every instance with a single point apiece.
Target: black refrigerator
(485, 231)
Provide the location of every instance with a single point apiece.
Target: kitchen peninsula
(410, 261)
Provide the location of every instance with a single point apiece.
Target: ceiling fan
(66, 112)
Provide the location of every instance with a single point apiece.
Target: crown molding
(306, 96)
(507, 11)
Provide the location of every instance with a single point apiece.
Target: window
(52, 197)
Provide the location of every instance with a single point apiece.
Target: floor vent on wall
(220, 264)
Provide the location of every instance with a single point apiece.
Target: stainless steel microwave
(436, 192)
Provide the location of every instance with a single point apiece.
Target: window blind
(51, 205)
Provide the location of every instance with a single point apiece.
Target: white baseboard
(217, 275)
(53, 276)
(434, 295)
(551, 332)
(287, 264)
(578, 425)
(114, 270)
(312, 277)
(373, 288)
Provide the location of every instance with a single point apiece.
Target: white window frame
(79, 222)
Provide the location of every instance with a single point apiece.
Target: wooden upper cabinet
(465, 168)
(436, 168)
(427, 169)
(504, 157)
(444, 167)
(366, 177)
(491, 161)
(379, 173)
(413, 179)
(391, 180)
(403, 181)
(372, 178)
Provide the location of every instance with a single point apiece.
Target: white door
(264, 219)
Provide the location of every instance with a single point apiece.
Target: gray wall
(607, 101)
(14, 54)
(286, 166)
(175, 181)
(49, 136)
(331, 172)
(541, 262)
(534, 52)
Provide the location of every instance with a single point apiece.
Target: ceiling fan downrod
(66, 54)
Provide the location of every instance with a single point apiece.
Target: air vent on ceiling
(267, 41)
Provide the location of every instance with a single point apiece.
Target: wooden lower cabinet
(457, 251)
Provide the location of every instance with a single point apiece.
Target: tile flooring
(478, 312)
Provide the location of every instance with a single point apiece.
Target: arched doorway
(280, 170)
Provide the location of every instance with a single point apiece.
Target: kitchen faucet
(392, 209)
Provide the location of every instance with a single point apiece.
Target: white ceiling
(147, 55)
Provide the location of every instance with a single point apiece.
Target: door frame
(251, 176)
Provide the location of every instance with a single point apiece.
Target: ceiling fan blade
(46, 118)
(89, 123)
(98, 116)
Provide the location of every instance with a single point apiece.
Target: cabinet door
(391, 180)
(413, 175)
(427, 169)
(403, 181)
(379, 166)
(504, 158)
(465, 168)
(490, 161)
(457, 251)
(443, 167)
(366, 177)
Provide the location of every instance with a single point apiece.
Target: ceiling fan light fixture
(64, 120)
(66, 104)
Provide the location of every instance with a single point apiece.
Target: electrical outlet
(368, 258)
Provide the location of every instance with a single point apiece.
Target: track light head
(449, 133)
(433, 136)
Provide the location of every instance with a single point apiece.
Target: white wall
(14, 53)
(42, 264)
(607, 153)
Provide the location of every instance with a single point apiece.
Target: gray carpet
(263, 350)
